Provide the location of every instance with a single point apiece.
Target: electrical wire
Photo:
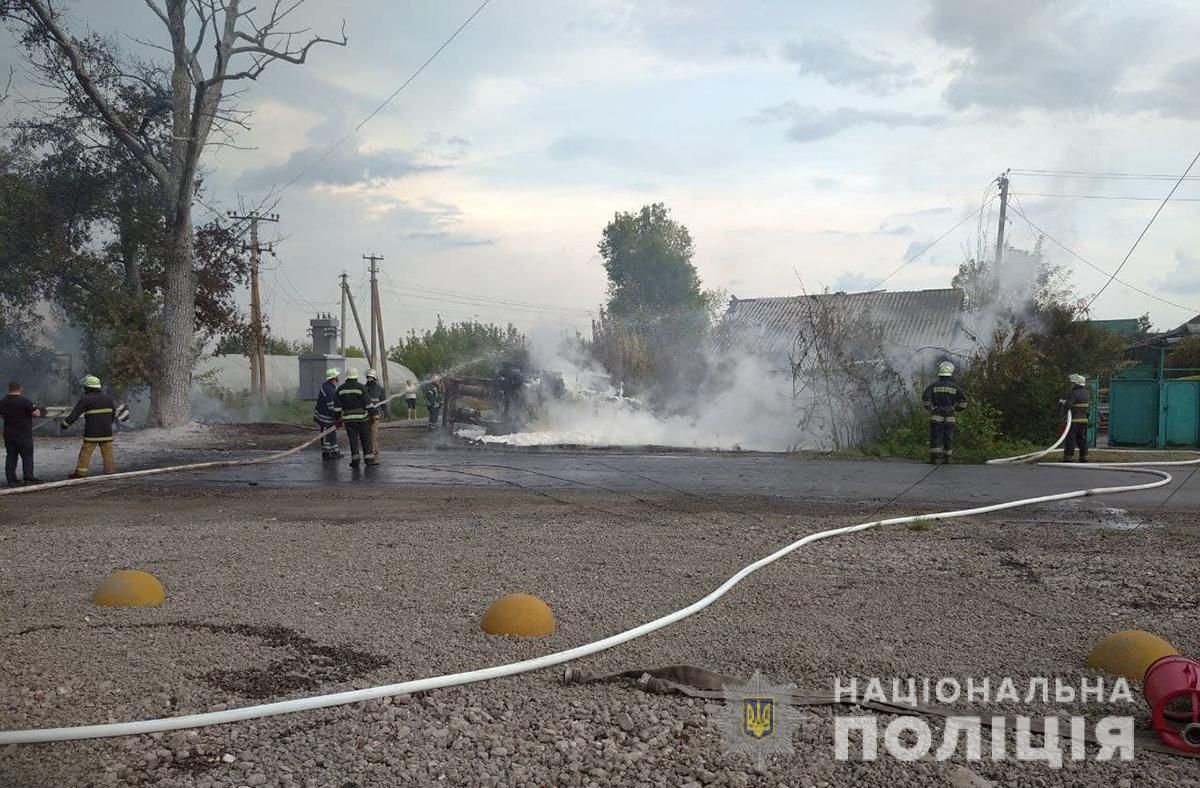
(934, 242)
(411, 77)
(1145, 230)
(1108, 197)
(1036, 173)
(1018, 210)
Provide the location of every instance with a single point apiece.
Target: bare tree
(243, 43)
(842, 382)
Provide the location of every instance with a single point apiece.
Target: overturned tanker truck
(502, 404)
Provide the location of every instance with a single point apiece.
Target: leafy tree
(164, 119)
(467, 347)
(651, 332)
(354, 351)
(1185, 355)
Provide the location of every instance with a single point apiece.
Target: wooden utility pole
(348, 297)
(257, 350)
(342, 325)
(378, 362)
(1003, 181)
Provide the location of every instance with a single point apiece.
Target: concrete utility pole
(377, 321)
(354, 311)
(342, 325)
(257, 351)
(1003, 181)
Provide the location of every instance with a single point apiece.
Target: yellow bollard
(129, 588)
(522, 615)
(1129, 653)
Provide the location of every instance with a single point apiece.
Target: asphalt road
(789, 479)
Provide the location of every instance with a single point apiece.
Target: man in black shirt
(18, 412)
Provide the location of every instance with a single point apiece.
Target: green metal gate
(1153, 411)
(1132, 412)
(1180, 412)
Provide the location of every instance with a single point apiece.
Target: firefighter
(943, 398)
(375, 395)
(1076, 408)
(97, 409)
(326, 416)
(17, 412)
(351, 408)
(434, 399)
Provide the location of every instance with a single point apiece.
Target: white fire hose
(558, 657)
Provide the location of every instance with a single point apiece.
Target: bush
(977, 435)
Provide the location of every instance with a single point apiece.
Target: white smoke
(747, 406)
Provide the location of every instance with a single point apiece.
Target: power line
(1107, 197)
(1145, 230)
(382, 105)
(935, 242)
(1136, 176)
(1018, 209)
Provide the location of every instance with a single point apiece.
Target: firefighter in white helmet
(943, 398)
(1076, 408)
(375, 394)
(325, 415)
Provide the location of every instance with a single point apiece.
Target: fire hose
(548, 660)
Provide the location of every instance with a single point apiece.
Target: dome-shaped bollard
(129, 588)
(522, 615)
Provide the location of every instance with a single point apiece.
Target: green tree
(467, 347)
(652, 329)
(1185, 355)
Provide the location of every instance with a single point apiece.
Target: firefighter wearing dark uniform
(351, 408)
(375, 394)
(99, 412)
(326, 417)
(1077, 409)
(943, 398)
(434, 399)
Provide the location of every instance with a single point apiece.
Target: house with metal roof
(912, 328)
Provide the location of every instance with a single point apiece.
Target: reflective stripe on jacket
(943, 398)
(1079, 405)
(97, 409)
(351, 401)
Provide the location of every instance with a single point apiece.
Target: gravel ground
(285, 593)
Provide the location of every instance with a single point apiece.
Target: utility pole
(1003, 181)
(347, 296)
(377, 320)
(342, 325)
(258, 358)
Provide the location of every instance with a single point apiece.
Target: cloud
(1046, 54)
(617, 152)
(915, 248)
(1185, 277)
(831, 58)
(808, 124)
(903, 229)
(445, 238)
(345, 166)
(854, 283)
(1173, 94)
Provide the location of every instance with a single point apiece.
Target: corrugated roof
(908, 320)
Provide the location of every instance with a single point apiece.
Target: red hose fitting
(1172, 689)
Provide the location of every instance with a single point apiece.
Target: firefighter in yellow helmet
(375, 394)
(99, 413)
(943, 398)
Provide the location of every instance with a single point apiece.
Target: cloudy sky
(803, 144)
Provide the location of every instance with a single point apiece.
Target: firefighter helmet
(331, 373)
(91, 382)
(945, 369)
(352, 373)
(371, 374)
(1078, 380)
